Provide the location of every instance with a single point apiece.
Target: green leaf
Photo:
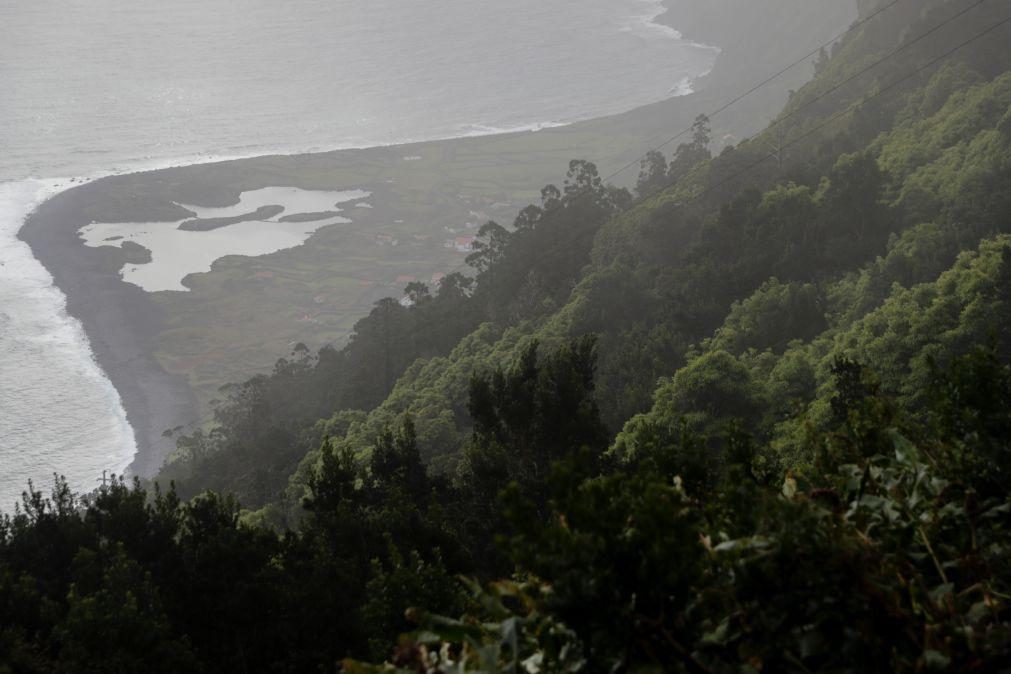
(905, 451)
(939, 593)
(718, 636)
(935, 660)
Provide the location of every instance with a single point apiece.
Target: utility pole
(778, 146)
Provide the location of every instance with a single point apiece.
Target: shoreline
(118, 322)
(123, 322)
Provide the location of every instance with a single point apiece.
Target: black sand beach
(119, 320)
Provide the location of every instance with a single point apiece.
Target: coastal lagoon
(177, 251)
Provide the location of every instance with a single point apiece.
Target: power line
(902, 47)
(841, 113)
(872, 66)
(821, 96)
(834, 117)
(873, 96)
(833, 89)
(750, 91)
(761, 84)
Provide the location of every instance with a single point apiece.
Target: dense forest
(754, 415)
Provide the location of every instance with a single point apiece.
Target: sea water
(90, 87)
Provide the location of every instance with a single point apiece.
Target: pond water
(177, 253)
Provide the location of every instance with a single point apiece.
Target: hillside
(658, 280)
(751, 416)
(168, 353)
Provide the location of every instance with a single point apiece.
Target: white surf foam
(51, 388)
(478, 130)
(647, 24)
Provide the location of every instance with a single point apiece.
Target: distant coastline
(122, 321)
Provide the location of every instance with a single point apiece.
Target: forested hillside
(754, 415)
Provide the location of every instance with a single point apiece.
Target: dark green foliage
(265, 426)
(970, 404)
(891, 558)
(691, 154)
(396, 465)
(772, 317)
(405, 583)
(803, 339)
(652, 173)
(888, 554)
(114, 621)
(527, 418)
(655, 173)
(531, 270)
(538, 411)
(127, 582)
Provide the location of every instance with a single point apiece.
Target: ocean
(98, 87)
